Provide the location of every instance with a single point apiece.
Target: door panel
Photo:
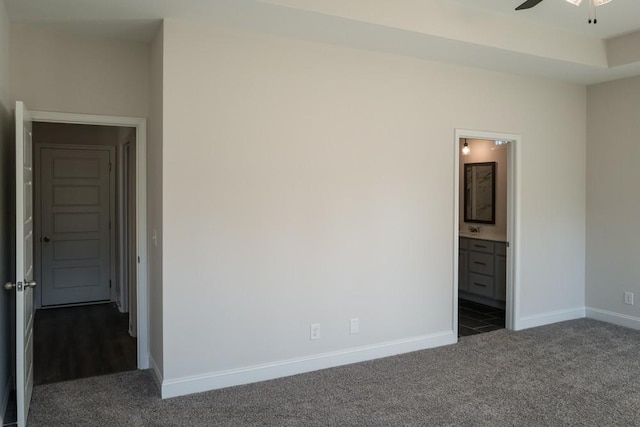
(78, 195)
(24, 263)
(76, 243)
(76, 223)
(79, 249)
(76, 168)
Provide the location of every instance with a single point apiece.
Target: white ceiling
(552, 40)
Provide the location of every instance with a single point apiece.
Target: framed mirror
(480, 192)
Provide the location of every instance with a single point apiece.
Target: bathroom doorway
(484, 232)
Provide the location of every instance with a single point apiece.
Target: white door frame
(140, 125)
(513, 221)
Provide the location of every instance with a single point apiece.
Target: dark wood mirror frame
(480, 192)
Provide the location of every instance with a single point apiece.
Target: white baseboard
(615, 318)
(268, 371)
(549, 318)
(156, 374)
(5, 399)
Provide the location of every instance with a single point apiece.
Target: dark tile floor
(11, 414)
(474, 318)
(82, 341)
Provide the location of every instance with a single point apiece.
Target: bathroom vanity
(482, 269)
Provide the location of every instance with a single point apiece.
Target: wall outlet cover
(354, 326)
(315, 331)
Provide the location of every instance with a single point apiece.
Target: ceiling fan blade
(528, 4)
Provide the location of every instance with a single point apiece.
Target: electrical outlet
(315, 331)
(354, 326)
(628, 298)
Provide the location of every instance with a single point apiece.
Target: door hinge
(109, 284)
(109, 166)
(109, 225)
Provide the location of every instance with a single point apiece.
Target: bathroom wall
(485, 151)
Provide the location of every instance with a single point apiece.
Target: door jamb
(140, 125)
(513, 220)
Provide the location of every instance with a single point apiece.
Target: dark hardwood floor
(82, 341)
(474, 318)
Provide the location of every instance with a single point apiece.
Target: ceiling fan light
(577, 2)
(600, 2)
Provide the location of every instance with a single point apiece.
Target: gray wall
(324, 180)
(154, 204)
(613, 201)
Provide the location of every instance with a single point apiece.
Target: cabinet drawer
(481, 285)
(481, 263)
(464, 243)
(481, 246)
(501, 248)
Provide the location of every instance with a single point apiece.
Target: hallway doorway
(485, 292)
(133, 195)
(84, 256)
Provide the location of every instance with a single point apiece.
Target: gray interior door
(75, 196)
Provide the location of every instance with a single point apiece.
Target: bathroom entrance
(484, 232)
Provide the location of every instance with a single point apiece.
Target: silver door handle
(10, 285)
(46, 239)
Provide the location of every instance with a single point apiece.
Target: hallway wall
(57, 71)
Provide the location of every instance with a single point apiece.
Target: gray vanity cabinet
(462, 265)
(501, 272)
(482, 271)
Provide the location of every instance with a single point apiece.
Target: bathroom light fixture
(465, 149)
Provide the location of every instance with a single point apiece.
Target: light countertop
(495, 237)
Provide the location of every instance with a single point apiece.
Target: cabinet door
(481, 263)
(501, 278)
(482, 285)
(463, 279)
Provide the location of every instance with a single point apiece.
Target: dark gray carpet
(580, 372)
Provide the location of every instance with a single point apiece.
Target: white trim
(513, 220)
(140, 124)
(268, 371)
(550, 317)
(122, 244)
(612, 317)
(156, 372)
